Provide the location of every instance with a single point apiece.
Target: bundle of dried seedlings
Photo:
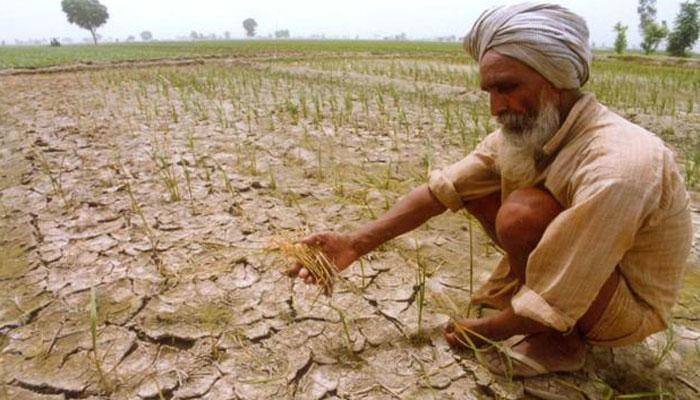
(310, 257)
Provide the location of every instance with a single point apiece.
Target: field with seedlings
(148, 211)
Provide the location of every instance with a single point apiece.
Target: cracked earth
(159, 198)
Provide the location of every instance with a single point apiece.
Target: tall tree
(87, 14)
(652, 32)
(647, 13)
(146, 36)
(621, 38)
(686, 30)
(249, 25)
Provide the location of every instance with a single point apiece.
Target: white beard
(524, 138)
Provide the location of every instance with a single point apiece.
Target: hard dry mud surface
(191, 305)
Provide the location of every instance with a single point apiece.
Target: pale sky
(368, 19)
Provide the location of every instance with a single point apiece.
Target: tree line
(90, 15)
(678, 41)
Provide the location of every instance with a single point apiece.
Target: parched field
(138, 202)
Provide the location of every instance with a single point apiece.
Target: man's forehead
(493, 61)
(494, 65)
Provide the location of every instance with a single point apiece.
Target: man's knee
(523, 218)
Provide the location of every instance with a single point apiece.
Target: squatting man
(590, 209)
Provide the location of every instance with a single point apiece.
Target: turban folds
(549, 38)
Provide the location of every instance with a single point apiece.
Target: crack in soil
(45, 388)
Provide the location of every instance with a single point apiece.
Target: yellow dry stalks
(310, 257)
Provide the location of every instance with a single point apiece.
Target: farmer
(589, 208)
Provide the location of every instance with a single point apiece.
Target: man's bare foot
(462, 333)
(538, 354)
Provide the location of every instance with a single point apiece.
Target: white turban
(547, 37)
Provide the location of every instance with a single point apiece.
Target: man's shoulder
(612, 136)
(615, 148)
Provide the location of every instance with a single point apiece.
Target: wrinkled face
(515, 91)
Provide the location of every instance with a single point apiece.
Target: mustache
(516, 122)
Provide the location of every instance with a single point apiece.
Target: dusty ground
(189, 303)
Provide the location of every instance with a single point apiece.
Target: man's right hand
(337, 247)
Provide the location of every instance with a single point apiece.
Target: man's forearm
(410, 212)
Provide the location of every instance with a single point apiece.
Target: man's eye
(507, 88)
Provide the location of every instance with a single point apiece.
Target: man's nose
(498, 104)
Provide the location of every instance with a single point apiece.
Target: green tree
(654, 33)
(686, 30)
(249, 25)
(87, 14)
(621, 38)
(146, 36)
(647, 13)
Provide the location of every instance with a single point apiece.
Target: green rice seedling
(319, 162)
(252, 168)
(462, 335)
(471, 260)
(348, 103)
(669, 344)
(362, 273)
(224, 176)
(346, 328)
(428, 152)
(273, 179)
(441, 303)
(658, 394)
(221, 116)
(303, 106)
(188, 183)
(447, 118)
(425, 375)
(271, 122)
(106, 384)
(691, 165)
(136, 209)
(293, 111)
(167, 173)
(338, 184)
(369, 209)
(421, 275)
(249, 122)
(55, 179)
(318, 114)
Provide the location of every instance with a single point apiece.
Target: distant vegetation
(87, 14)
(250, 25)
(42, 56)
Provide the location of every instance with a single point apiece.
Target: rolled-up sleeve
(472, 177)
(579, 251)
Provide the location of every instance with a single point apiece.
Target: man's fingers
(293, 270)
(313, 240)
(452, 339)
